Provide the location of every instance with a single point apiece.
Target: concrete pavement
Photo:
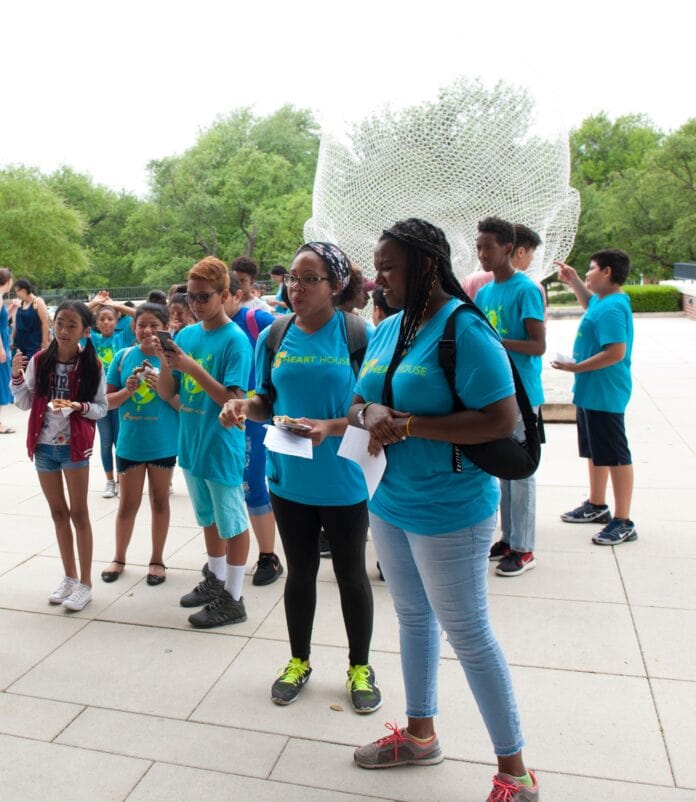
(123, 701)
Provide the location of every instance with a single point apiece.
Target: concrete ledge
(558, 413)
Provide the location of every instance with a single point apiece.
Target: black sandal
(155, 579)
(112, 576)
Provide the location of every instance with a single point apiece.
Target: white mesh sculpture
(470, 153)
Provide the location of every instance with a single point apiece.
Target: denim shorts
(123, 464)
(48, 459)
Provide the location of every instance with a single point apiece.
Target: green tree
(110, 252)
(40, 236)
(230, 192)
(652, 209)
(601, 152)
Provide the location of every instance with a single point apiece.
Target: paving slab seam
(7, 688)
(69, 724)
(141, 778)
(219, 678)
(647, 673)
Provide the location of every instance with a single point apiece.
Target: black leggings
(346, 529)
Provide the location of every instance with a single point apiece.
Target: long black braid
(420, 240)
(88, 363)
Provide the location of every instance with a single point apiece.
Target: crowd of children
(159, 379)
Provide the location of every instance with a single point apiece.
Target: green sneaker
(289, 684)
(364, 693)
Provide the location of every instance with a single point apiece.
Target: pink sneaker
(508, 789)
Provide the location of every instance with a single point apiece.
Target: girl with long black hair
(65, 389)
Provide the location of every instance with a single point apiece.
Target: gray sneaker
(509, 789)
(223, 609)
(398, 749)
(204, 592)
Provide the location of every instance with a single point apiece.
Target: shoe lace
(359, 678)
(503, 791)
(293, 672)
(395, 738)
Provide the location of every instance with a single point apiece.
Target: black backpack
(356, 335)
(506, 458)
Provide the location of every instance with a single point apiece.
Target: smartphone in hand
(165, 339)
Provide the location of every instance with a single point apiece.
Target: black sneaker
(365, 696)
(291, 681)
(324, 545)
(204, 592)
(223, 609)
(499, 551)
(268, 569)
(516, 563)
(588, 513)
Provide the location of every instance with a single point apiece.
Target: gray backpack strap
(276, 333)
(124, 355)
(356, 334)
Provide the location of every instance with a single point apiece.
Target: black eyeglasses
(200, 297)
(304, 281)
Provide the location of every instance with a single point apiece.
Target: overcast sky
(105, 86)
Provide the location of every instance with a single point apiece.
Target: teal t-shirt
(106, 347)
(507, 305)
(607, 320)
(206, 448)
(419, 491)
(124, 328)
(148, 425)
(312, 378)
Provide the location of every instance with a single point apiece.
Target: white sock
(217, 566)
(235, 580)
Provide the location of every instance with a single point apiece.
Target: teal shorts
(214, 503)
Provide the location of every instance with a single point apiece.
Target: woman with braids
(310, 377)
(65, 388)
(432, 526)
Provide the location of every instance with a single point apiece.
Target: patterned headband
(333, 257)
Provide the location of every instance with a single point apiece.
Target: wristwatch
(361, 413)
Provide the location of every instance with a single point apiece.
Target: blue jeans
(108, 434)
(518, 507)
(441, 580)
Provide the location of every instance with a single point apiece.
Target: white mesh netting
(469, 153)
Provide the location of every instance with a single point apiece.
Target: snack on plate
(290, 424)
(61, 403)
(286, 419)
(146, 369)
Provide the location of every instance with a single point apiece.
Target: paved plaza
(124, 701)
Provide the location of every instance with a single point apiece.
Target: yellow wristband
(408, 425)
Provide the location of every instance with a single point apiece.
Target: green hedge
(653, 297)
(562, 299)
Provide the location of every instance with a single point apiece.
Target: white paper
(354, 447)
(64, 411)
(563, 358)
(284, 442)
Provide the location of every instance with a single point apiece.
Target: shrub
(562, 298)
(653, 297)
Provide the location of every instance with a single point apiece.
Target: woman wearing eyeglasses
(309, 377)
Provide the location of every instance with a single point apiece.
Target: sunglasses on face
(200, 297)
(304, 281)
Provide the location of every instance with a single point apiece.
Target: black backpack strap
(356, 334)
(447, 357)
(276, 333)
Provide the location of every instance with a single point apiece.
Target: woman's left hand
(319, 431)
(385, 425)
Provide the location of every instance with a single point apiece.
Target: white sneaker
(111, 489)
(66, 587)
(79, 598)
